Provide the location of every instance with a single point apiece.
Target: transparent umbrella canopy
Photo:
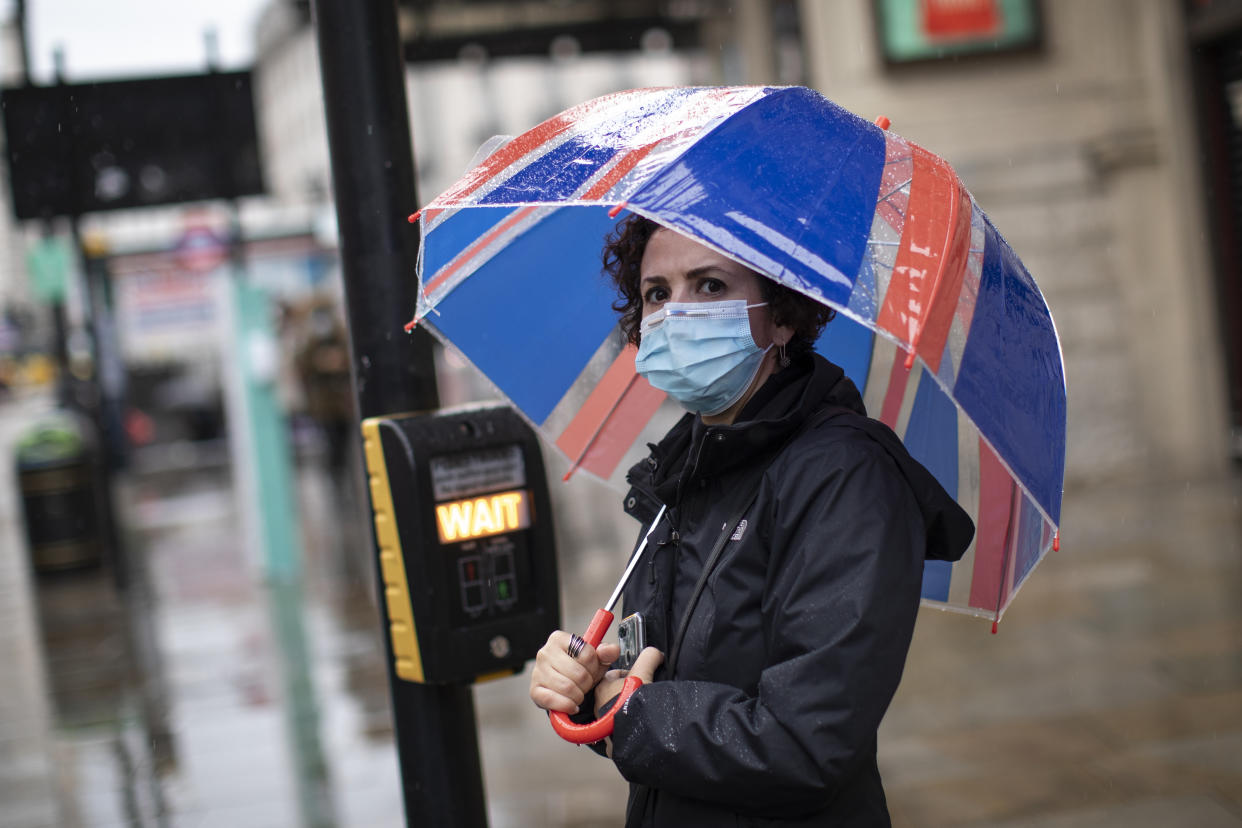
(939, 324)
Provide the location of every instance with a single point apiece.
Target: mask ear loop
(782, 357)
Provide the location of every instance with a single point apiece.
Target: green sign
(49, 264)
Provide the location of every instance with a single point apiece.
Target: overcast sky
(121, 38)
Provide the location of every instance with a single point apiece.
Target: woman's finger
(608, 653)
(553, 656)
(564, 686)
(592, 661)
(646, 663)
(561, 676)
(548, 700)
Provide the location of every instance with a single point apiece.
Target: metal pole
(104, 403)
(23, 42)
(374, 183)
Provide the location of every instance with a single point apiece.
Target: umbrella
(939, 324)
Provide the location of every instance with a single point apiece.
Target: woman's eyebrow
(703, 270)
(693, 273)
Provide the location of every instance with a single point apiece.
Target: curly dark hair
(623, 256)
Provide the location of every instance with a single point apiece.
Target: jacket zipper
(674, 539)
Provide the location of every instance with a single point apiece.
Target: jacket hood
(948, 527)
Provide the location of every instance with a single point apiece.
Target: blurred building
(1076, 132)
(12, 275)
(1082, 147)
(1077, 126)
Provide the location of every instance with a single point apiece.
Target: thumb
(646, 663)
(608, 653)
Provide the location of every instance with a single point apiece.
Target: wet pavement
(201, 695)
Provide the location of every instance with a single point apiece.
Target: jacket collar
(693, 449)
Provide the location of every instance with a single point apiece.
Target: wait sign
(477, 517)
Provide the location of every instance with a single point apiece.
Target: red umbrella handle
(601, 728)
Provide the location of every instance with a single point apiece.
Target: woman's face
(676, 268)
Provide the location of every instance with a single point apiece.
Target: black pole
(104, 402)
(23, 43)
(374, 183)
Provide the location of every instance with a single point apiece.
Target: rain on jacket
(798, 639)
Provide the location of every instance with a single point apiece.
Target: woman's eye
(654, 295)
(712, 286)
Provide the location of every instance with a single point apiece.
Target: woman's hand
(559, 682)
(644, 667)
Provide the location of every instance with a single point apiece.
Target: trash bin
(56, 477)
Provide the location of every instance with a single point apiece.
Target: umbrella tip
(1056, 541)
(617, 209)
(883, 122)
(414, 216)
(995, 627)
(411, 325)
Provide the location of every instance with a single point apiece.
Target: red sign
(953, 19)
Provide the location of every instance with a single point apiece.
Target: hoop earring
(782, 358)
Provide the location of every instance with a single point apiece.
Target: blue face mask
(700, 353)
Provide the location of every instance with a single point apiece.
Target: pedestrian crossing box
(463, 526)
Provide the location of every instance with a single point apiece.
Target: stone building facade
(1084, 154)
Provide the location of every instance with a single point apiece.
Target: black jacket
(798, 639)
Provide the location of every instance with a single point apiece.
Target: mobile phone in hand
(632, 636)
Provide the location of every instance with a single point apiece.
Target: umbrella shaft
(629, 569)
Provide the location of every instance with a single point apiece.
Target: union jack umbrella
(939, 324)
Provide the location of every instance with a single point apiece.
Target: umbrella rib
(1014, 494)
(895, 190)
(577, 462)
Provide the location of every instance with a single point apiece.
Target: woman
(780, 589)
